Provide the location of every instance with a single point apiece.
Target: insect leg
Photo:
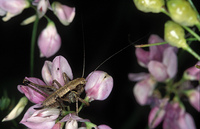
(26, 82)
(58, 84)
(83, 101)
(66, 78)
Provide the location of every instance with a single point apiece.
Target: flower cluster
(183, 15)
(49, 41)
(98, 87)
(161, 62)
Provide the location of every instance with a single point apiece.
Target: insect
(70, 92)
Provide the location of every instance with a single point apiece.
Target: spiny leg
(26, 82)
(83, 101)
(66, 78)
(58, 84)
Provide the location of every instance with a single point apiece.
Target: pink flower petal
(31, 94)
(143, 90)
(137, 76)
(170, 60)
(158, 70)
(49, 41)
(36, 120)
(99, 85)
(60, 66)
(156, 116)
(46, 73)
(142, 57)
(186, 122)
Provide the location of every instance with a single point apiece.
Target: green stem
(153, 44)
(188, 49)
(192, 32)
(33, 39)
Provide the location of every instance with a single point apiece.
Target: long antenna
(83, 72)
(115, 54)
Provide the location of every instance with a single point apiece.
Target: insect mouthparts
(26, 82)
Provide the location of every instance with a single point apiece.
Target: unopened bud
(175, 35)
(17, 110)
(182, 12)
(154, 6)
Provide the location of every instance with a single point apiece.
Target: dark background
(105, 27)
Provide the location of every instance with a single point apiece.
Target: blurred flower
(40, 119)
(12, 8)
(143, 90)
(177, 118)
(182, 12)
(99, 85)
(49, 41)
(192, 73)
(64, 13)
(194, 97)
(157, 113)
(154, 6)
(161, 62)
(174, 34)
(17, 110)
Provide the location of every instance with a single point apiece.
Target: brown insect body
(62, 91)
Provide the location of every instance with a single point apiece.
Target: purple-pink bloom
(49, 41)
(40, 119)
(177, 118)
(194, 98)
(192, 73)
(99, 85)
(64, 13)
(143, 90)
(12, 8)
(103, 127)
(31, 94)
(154, 53)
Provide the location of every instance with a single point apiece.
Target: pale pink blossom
(49, 41)
(192, 73)
(64, 13)
(40, 119)
(194, 98)
(143, 90)
(12, 8)
(99, 85)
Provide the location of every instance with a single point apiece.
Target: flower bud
(42, 7)
(49, 41)
(99, 85)
(182, 12)
(156, 115)
(71, 124)
(17, 110)
(192, 73)
(154, 6)
(194, 98)
(174, 35)
(12, 8)
(64, 13)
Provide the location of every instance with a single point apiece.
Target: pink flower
(40, 119)
(143, 90)
(42, 7)
(99, 85)
(194, 98)
(12, 8)
(49, 41)
(177, 118)
(192, 73)
(31, 94)
(157, 113)
(50, 71)
(64, 13)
